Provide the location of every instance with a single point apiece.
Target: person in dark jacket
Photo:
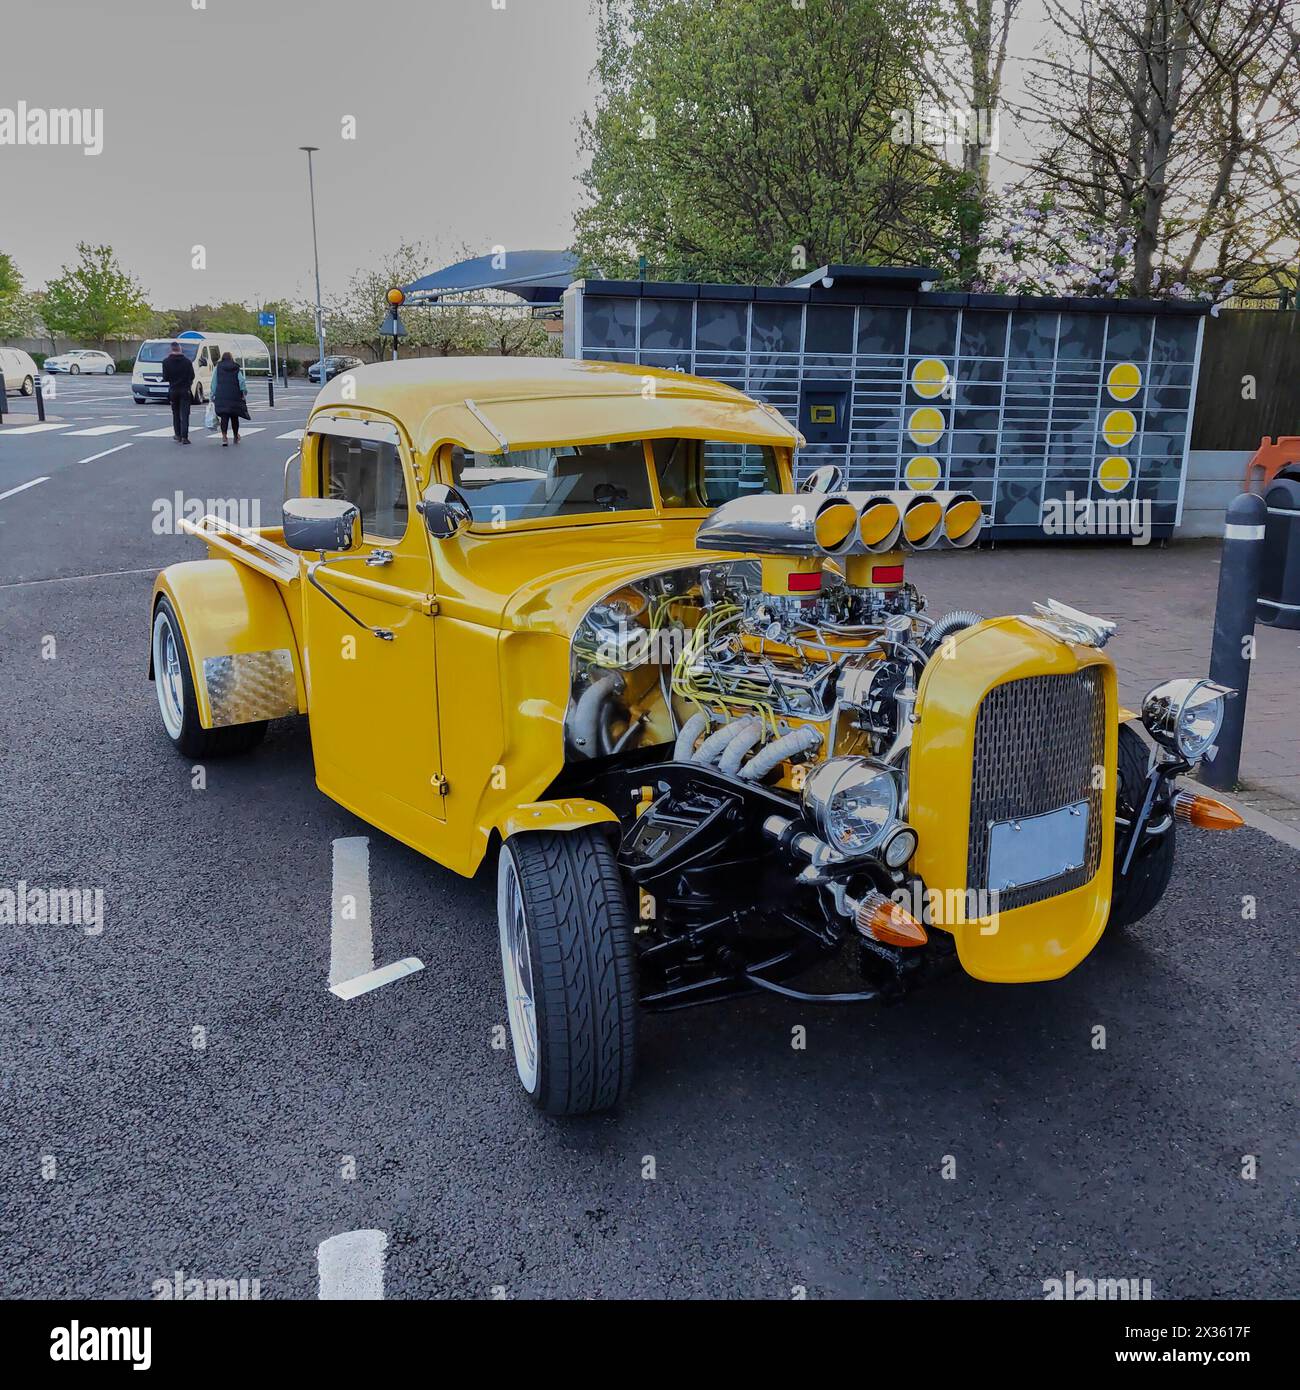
(229, 396)
(178, 373)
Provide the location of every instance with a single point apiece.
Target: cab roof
(496, 404)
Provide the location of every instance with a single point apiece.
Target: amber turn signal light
(882, 919)
(1205, 812)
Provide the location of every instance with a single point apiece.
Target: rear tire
(568, 962)
(177, 703)
(1138, 892)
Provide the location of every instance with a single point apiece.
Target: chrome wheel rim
(167, 679)
(517, 968)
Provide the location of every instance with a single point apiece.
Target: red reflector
(808, 583)
(886, 574)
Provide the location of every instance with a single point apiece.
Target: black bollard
(1240, 565)
(40, 399)
(4, 400)
(270, 391)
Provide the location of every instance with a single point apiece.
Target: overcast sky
(466, 127)
(466, 116)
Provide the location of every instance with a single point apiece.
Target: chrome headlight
(1185, 715)
(852, 802)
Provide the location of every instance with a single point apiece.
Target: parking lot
(182, 1093)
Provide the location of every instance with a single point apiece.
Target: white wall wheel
(568, 963)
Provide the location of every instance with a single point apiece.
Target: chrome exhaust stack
(963, 520)
(793, 523)
(808, 524)
(922, 514)
(879, 524)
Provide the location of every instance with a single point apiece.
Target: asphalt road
(129, 1153)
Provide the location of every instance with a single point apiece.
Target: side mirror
(828, 478)
(321, 523)
(445, 512)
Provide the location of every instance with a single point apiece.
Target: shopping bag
(210, 417)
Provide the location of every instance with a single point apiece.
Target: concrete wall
(1214, 478)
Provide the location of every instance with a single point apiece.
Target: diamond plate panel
(248, 686)
(1037, 741)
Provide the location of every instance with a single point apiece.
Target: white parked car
(78, 360)
(20, 372)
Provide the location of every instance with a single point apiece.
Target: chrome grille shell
(1039, 744)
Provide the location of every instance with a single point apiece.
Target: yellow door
(371, 685)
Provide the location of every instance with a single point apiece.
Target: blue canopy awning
(540, 277)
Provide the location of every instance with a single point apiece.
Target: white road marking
(293, 434)
(106, 453)
(73, 578)
(33, 429)
(22, 487)
(167, 433)
(104, 429)
(351, 1266)
(352, 948)
(386, 974)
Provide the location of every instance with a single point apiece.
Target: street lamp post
(315, 250)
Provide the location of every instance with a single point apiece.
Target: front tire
(29, 386)
(110, 370)
(177, 703)
(74, 370)
(570, 979)
(1137, 892)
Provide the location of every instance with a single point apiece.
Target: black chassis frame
(732, 916)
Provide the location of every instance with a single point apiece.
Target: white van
(19, 371)
(204, 350)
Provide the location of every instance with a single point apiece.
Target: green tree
(352, 321)
(94, 300)
(18, 310)
(11, 282)
(750, 140)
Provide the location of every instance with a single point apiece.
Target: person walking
(178, 373)
(229, 396)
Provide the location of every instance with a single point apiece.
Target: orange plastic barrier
(1271, 455)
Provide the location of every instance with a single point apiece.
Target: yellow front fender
(244, 658)
(565, 814)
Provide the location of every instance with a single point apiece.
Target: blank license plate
(1035, 848)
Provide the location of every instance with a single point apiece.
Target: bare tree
(964, 70)
(1174, 120)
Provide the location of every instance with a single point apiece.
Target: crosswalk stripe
(22, 487)
(103, 429)
(293, 434)
(32, 429)
(156, 434)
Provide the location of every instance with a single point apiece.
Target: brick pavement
(1163, 600)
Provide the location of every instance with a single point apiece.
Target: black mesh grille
(1037, 742)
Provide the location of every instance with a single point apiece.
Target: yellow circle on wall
(1114, 474)
(1123, 381)
(1118, 428)
(922, 473)
(925, 425)
(930, 378)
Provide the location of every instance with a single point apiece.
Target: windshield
(707, 473)
(567, 480)
(155, 352)
(581, 479)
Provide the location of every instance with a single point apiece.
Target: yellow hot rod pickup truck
(575, 615)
